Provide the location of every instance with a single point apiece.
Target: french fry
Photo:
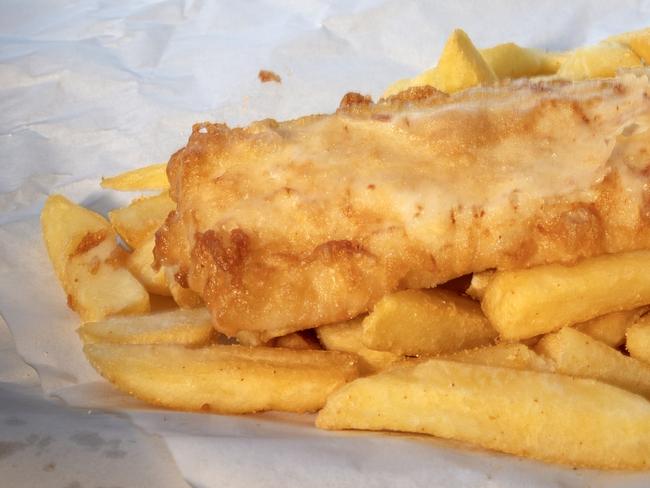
(600, 61)
(250, 338)
(478, 284)
(83, 250)
(512, 61)
(224, 379)
(610, 328)
(529, 302)
(517, 356)
(577, 354)
(297, 340)
(140, 263)
(638, 41)
(152, 177)
(184, 297)
(261, 337)
(187, 327)
(460, 66)
(99, 285)
(63, 235)
(431, 322)
(138, 221)
(346, 337)
(638, 339)
(545, 416)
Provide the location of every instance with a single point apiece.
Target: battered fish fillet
(284, 226)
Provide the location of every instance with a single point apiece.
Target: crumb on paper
(266, 76)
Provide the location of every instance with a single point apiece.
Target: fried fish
(284, 226)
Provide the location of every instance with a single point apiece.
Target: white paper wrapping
(94, 88)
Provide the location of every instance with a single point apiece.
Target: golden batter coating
(284, 226)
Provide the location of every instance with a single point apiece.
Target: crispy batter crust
(295, 224)
(265, 76)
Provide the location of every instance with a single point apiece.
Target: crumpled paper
(93, 88)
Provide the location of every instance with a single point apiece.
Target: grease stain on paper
(8, 449)
(14, 421)
(91, 440)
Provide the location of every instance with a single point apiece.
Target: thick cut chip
(517, 356)
(460, 66)
(152, 177)
(525, 303)
(512, 61)
(610, 328)
(99, 285)
(638, 339)
(478, 284)
(639, 42)
(297, 340)
(546, 416)
(261, 337)
(224, 379)
(600, 61)
(138, 221)
(140, 263)
(64, 226)
(250, 338)
(577, 354)
(89, 262)
(346, 337)
(188, 327)
(429, 322)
